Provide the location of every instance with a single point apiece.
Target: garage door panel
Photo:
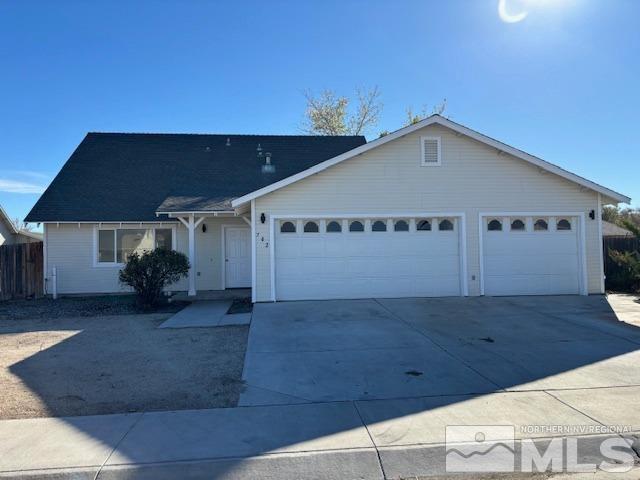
(367, 264)
(531, 263)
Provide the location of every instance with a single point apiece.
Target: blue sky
(561, 84)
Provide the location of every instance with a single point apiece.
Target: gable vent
(431, 154)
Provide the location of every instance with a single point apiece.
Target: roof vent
(268, 167)
(228, 142)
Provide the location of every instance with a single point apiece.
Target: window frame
(516, 219)
(307, 222)
(361, 222)
(337, 222)
(406, 222)
(500, 222)
(115, 227)
(379, 220)
(564, 219)
(428, 221)
(535, 220)
(438, 139)
(292, 222)
(451, 221)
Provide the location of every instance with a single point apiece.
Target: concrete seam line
(573, 408)
(440, 346)
(633, 449)
(593, 329)
(355, 406)
(115, 447)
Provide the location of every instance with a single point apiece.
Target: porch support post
(191, 225)
(192, 255)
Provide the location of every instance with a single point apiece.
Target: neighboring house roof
(612, 230)
(7, 221)
(34, 235)
(15, 231)
(436, 120)
(131, 176)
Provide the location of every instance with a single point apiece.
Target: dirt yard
(115, 364)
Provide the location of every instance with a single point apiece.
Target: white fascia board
(434, 119)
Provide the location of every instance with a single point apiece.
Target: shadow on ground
(356, 355)
(116, 364)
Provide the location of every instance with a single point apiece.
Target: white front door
(237, 257)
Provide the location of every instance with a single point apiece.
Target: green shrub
(627, 278)
(150, 272)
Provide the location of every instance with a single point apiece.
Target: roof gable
(436, 120)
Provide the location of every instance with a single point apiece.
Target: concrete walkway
(206, 313)
(336, 440)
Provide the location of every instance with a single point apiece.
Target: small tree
(628, 277)
(150, 272)
(329, 113)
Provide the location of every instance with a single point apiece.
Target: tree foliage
(628, 218)
(150, 272)
(628, 278)
(413, 118)
(329, 113)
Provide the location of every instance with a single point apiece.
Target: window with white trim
(115, 245)
(356, 226)
(401, 226)
(334, 227)
(287, 227)
(445, 225)
(563, 224)
(518, 225)
(540, 225)
(431, 151)
(311, 227)
(423, 226)
(379, 226)
(494, 225)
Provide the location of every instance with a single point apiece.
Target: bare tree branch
(327, 114)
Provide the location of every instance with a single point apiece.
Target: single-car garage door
(367, 257)
(531, 255)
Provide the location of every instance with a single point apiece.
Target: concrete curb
(359, 463)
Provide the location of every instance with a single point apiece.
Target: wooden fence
(21, 271)
(622, 244)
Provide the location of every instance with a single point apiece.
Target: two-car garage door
(367, 257)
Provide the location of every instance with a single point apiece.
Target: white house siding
(70, 249)
(473, 178)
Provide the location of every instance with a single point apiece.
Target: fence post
(54, 281)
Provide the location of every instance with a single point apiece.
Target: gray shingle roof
(612, 230)
(130, 176)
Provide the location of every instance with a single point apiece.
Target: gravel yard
(64, 366)
(79, 307)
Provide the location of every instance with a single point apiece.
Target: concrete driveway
(300, 352)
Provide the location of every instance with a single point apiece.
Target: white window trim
(459, 225)
(581, 233)
(115, 228)
(431, 164)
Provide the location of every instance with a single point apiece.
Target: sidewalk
(342, 440)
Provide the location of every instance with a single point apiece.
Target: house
(10, 235)
(433, 209)
(612, 230)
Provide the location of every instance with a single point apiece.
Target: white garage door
(532, 255)
(367, 257)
